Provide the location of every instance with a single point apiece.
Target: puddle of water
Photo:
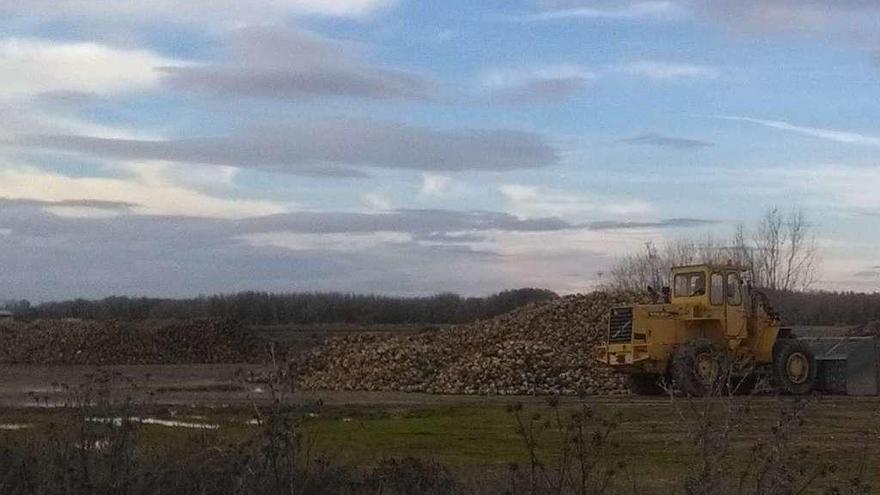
(53, 404)
(179, 424)
(112, 421)
(97, 444)
(14, 426)
(42, 390)
(155, 421)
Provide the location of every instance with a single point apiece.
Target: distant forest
(262, 308)
(826, 308)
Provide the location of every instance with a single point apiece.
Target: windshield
(690, 284)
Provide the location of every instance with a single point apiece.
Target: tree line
(825, 308)
(265, 308)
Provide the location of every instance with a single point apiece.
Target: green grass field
(654, 437)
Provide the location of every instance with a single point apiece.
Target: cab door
(735, 313)
(717, 298)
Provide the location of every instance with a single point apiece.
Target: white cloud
(200, 11)
(191, 176)
(286, 63)
(669, 71)
(843, 21)
(810, 16)
(33, 66)
(435, 184)
(503, 78)
(817, 132)
(23, 117)
(536, 84)
(834, 186)
(662, 10)
(532, 202)
(551, 83)
(347, 242)
(148, 190)
(377, 202)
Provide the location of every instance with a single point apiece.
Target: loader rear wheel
(794, 366)
(696, 368)
(644, 384)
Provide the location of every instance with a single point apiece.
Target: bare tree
(637, 270)
(786, 251)
(781, 254)
(651, 266)
(769, 242)
(739, 251)
(802, 253)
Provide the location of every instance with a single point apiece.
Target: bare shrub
(410, 476)
(582, 462)
(775, 465)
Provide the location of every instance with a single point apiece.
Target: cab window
(716, 293)
(690, 284)
(734, 297)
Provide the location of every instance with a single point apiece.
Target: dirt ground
(210, 385)
(213, 385)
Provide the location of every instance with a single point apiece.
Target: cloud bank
(292, 64)
(327, 149)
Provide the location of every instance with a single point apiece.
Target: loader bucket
(847, 365)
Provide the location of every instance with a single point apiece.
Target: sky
(398, 147)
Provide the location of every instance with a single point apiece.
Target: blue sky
(402, 147)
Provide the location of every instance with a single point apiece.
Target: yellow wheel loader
(709, 326)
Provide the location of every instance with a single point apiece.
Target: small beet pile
(543, 348)
(115, 342)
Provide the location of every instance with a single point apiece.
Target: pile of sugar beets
(115, 342)
(542, 348)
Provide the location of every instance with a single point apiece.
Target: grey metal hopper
(847, 365)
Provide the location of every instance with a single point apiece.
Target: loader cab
(707, 285)
(714, 291)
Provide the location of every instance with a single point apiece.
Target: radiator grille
(620, 328)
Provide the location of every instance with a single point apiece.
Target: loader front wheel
(696, 368)
(644, 384)
(794, 366)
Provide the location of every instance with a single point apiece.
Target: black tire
(790, 356)
(744, 385)
(644, 384)
(684, 371)
(743, 375)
